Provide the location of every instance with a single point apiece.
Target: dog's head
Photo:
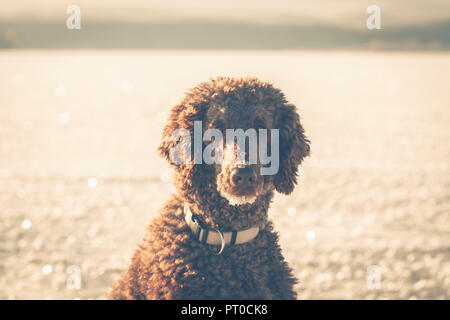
(234, 140)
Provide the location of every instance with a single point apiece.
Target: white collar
(215, 236)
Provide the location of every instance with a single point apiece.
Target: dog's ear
(181, 117)
(293, 147)
(191, 177)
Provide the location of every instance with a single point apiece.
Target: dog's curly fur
(169, 263)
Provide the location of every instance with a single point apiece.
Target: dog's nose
(243, 177)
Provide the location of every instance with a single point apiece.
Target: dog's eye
(217, 124)
(259, 123)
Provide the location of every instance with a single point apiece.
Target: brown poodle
(213, 238)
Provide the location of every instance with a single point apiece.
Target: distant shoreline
(221, 36)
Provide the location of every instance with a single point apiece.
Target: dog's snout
(243, 177)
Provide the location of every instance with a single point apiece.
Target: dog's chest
(234, 276)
